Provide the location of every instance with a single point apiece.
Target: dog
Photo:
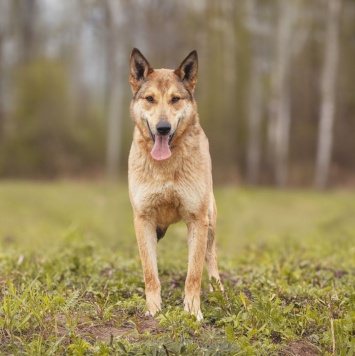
(169, 174)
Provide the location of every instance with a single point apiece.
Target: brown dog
(170, 173)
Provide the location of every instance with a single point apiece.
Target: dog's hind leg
(147, 245)
(211, 255)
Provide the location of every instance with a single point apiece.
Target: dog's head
(162, 99)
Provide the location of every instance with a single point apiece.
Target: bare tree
(27, 11)
(259, 32)
(78, 95)
(327, 109)
(255, 110)
(114, 90)
(280, 116)
(226, 24)
(2, 38)
(5, 8)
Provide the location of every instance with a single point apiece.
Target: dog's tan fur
(163, 192)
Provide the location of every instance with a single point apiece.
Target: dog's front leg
(197, 239)
(147, 245)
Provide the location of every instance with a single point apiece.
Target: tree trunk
(327, 109)
(79, 93)
(1, 91)
(254, 122)
(226, 17)
(280, 116)
(258, 34)
(114, 89)
(5, 10)
(27, 22)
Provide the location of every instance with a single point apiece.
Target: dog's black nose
(163, 127)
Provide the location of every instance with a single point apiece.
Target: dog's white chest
(157, 197)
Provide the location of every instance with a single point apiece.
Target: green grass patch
(71, 280)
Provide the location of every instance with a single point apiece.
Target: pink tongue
(161, 148)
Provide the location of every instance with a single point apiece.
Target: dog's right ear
(140, 69)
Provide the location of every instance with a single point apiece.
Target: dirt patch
(149, 324)
(232, 279)
(103, 332)
(92, 330)
(299, 348)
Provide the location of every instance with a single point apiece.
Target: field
(71, 281)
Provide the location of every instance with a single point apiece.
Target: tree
(255, 111)
(115, 90)
(280, 115)
(27, 11)
(259, 32)
(328, 83)
(5, 8)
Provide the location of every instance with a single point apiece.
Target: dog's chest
(167, 198)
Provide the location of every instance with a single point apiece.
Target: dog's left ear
(140, 69)
(187, 71)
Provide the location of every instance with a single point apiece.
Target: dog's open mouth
(161, 149)
(162, 145)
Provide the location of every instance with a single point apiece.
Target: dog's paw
(216, 285)
(192, 306)
(219, 288)
(149, 314)
(153, 304)
(199, 316)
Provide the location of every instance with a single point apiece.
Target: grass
(71, 281)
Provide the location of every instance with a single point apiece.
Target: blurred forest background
(276, 89)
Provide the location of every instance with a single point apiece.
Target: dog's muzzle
(163, 128)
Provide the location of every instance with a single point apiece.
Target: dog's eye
(150, 99)
(175, 99)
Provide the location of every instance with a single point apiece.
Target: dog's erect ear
(140, 69)
(187, 71)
